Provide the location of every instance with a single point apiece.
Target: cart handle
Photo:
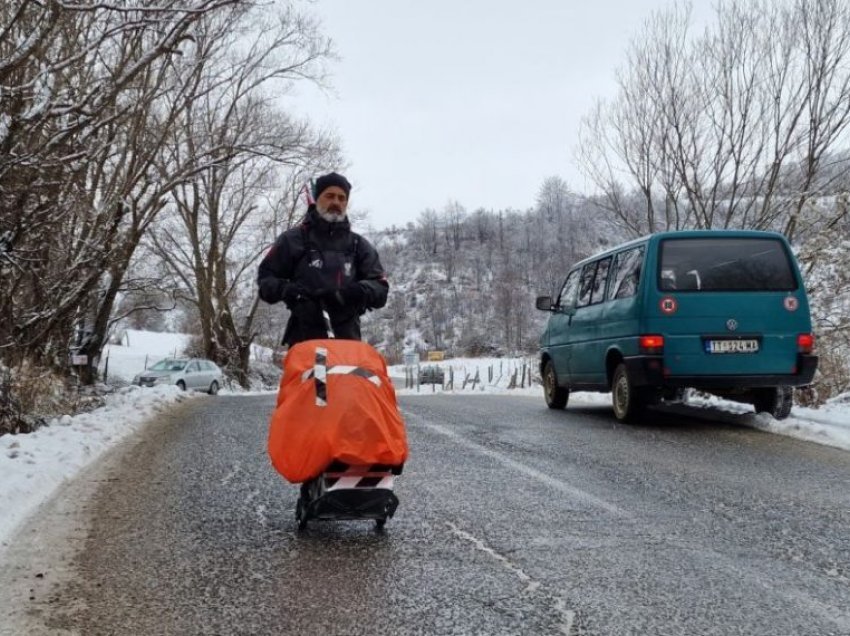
(327, 318)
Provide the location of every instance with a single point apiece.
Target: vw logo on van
(731, 324)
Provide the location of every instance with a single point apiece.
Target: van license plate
(732, 346)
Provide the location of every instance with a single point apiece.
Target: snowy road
(513, 520)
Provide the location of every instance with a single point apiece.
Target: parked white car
(187, 373)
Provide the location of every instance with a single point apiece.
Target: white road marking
(552, 482)
(235, 469)
(480, 545)
(568, 615)
(532, 586)
(261, 514)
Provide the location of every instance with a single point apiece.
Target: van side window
(567, 297)
(626, 273)
(599, 282)
(585, 289)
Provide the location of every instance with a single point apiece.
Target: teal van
(723, 311)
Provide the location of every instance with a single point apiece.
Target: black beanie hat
(332, 179)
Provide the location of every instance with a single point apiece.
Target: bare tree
(558, 233)
(427, 226)
(214, 238)
(728, 129)
(825, 41)
(77, 79)
(627, 145)
(452, 225)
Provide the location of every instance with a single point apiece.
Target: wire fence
(470, 376)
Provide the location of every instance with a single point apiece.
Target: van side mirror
(544, 303)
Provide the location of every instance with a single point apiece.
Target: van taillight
(653, 344)
(805, 342)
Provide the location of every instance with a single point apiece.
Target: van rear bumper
(649, 371)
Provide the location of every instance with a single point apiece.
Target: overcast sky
(475, 101)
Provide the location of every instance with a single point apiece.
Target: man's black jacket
(322, 256)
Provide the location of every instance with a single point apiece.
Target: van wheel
(627, 399)
(776, 400)
(556, 396)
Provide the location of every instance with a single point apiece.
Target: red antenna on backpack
(307, 190)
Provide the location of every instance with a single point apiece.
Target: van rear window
(725, 264)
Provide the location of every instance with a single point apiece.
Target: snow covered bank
(32, 466)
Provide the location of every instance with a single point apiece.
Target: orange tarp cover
(335, 402)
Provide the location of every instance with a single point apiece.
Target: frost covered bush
(19, 393)
(30, 396)
(833, 375)
(264, 376)
(825, 258)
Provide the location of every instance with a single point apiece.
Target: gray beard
(331, 217)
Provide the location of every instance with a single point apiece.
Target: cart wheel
(301, 514)
(380, 523)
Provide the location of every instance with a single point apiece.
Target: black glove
(352, 295)
(292, 293)
(349, 296)
(271, 289)
(308, 313)
(327, 297)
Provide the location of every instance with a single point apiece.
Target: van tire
(776, 400)
(556, 396)
(628, 401)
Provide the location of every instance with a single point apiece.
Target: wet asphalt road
(514, 519)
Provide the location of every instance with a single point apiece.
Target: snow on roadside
(32, 466)
(828, 425)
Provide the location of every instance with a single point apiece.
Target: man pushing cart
(336, 429)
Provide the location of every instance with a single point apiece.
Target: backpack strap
(353, 247)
